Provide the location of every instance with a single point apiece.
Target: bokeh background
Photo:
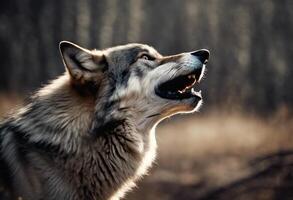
(240, 145)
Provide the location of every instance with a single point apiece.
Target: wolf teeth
(195, 92)
(182, 91)
(191, 76)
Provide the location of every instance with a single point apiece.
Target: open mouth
(181, 87)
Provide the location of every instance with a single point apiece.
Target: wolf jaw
(180, 87)
(90, 134)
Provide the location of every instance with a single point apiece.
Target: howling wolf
(90, 134)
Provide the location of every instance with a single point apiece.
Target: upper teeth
(191, 76)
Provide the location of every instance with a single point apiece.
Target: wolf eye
(146, 57)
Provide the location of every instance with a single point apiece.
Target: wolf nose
(202, 55)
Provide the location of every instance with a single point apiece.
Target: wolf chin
(90, 134)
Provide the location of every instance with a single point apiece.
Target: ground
(222, 156)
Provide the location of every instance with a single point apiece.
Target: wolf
(90, 134)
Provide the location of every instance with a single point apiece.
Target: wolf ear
(82, 64)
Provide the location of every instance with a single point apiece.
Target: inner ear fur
(82, 64)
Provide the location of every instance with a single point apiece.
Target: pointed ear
(82, 64)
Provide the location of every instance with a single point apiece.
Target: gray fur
(89, 134)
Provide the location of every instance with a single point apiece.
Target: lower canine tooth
(195, 93)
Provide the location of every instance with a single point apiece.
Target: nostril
(202, 55)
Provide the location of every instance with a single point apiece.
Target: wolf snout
(202, 55)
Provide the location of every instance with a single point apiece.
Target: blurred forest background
(239, 146)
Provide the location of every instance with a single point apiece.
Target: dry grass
(9, 102)
(217, 156)
(202, 154)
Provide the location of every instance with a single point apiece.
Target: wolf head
(134, 80)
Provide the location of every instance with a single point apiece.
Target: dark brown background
(239, 146)
(250, 41)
